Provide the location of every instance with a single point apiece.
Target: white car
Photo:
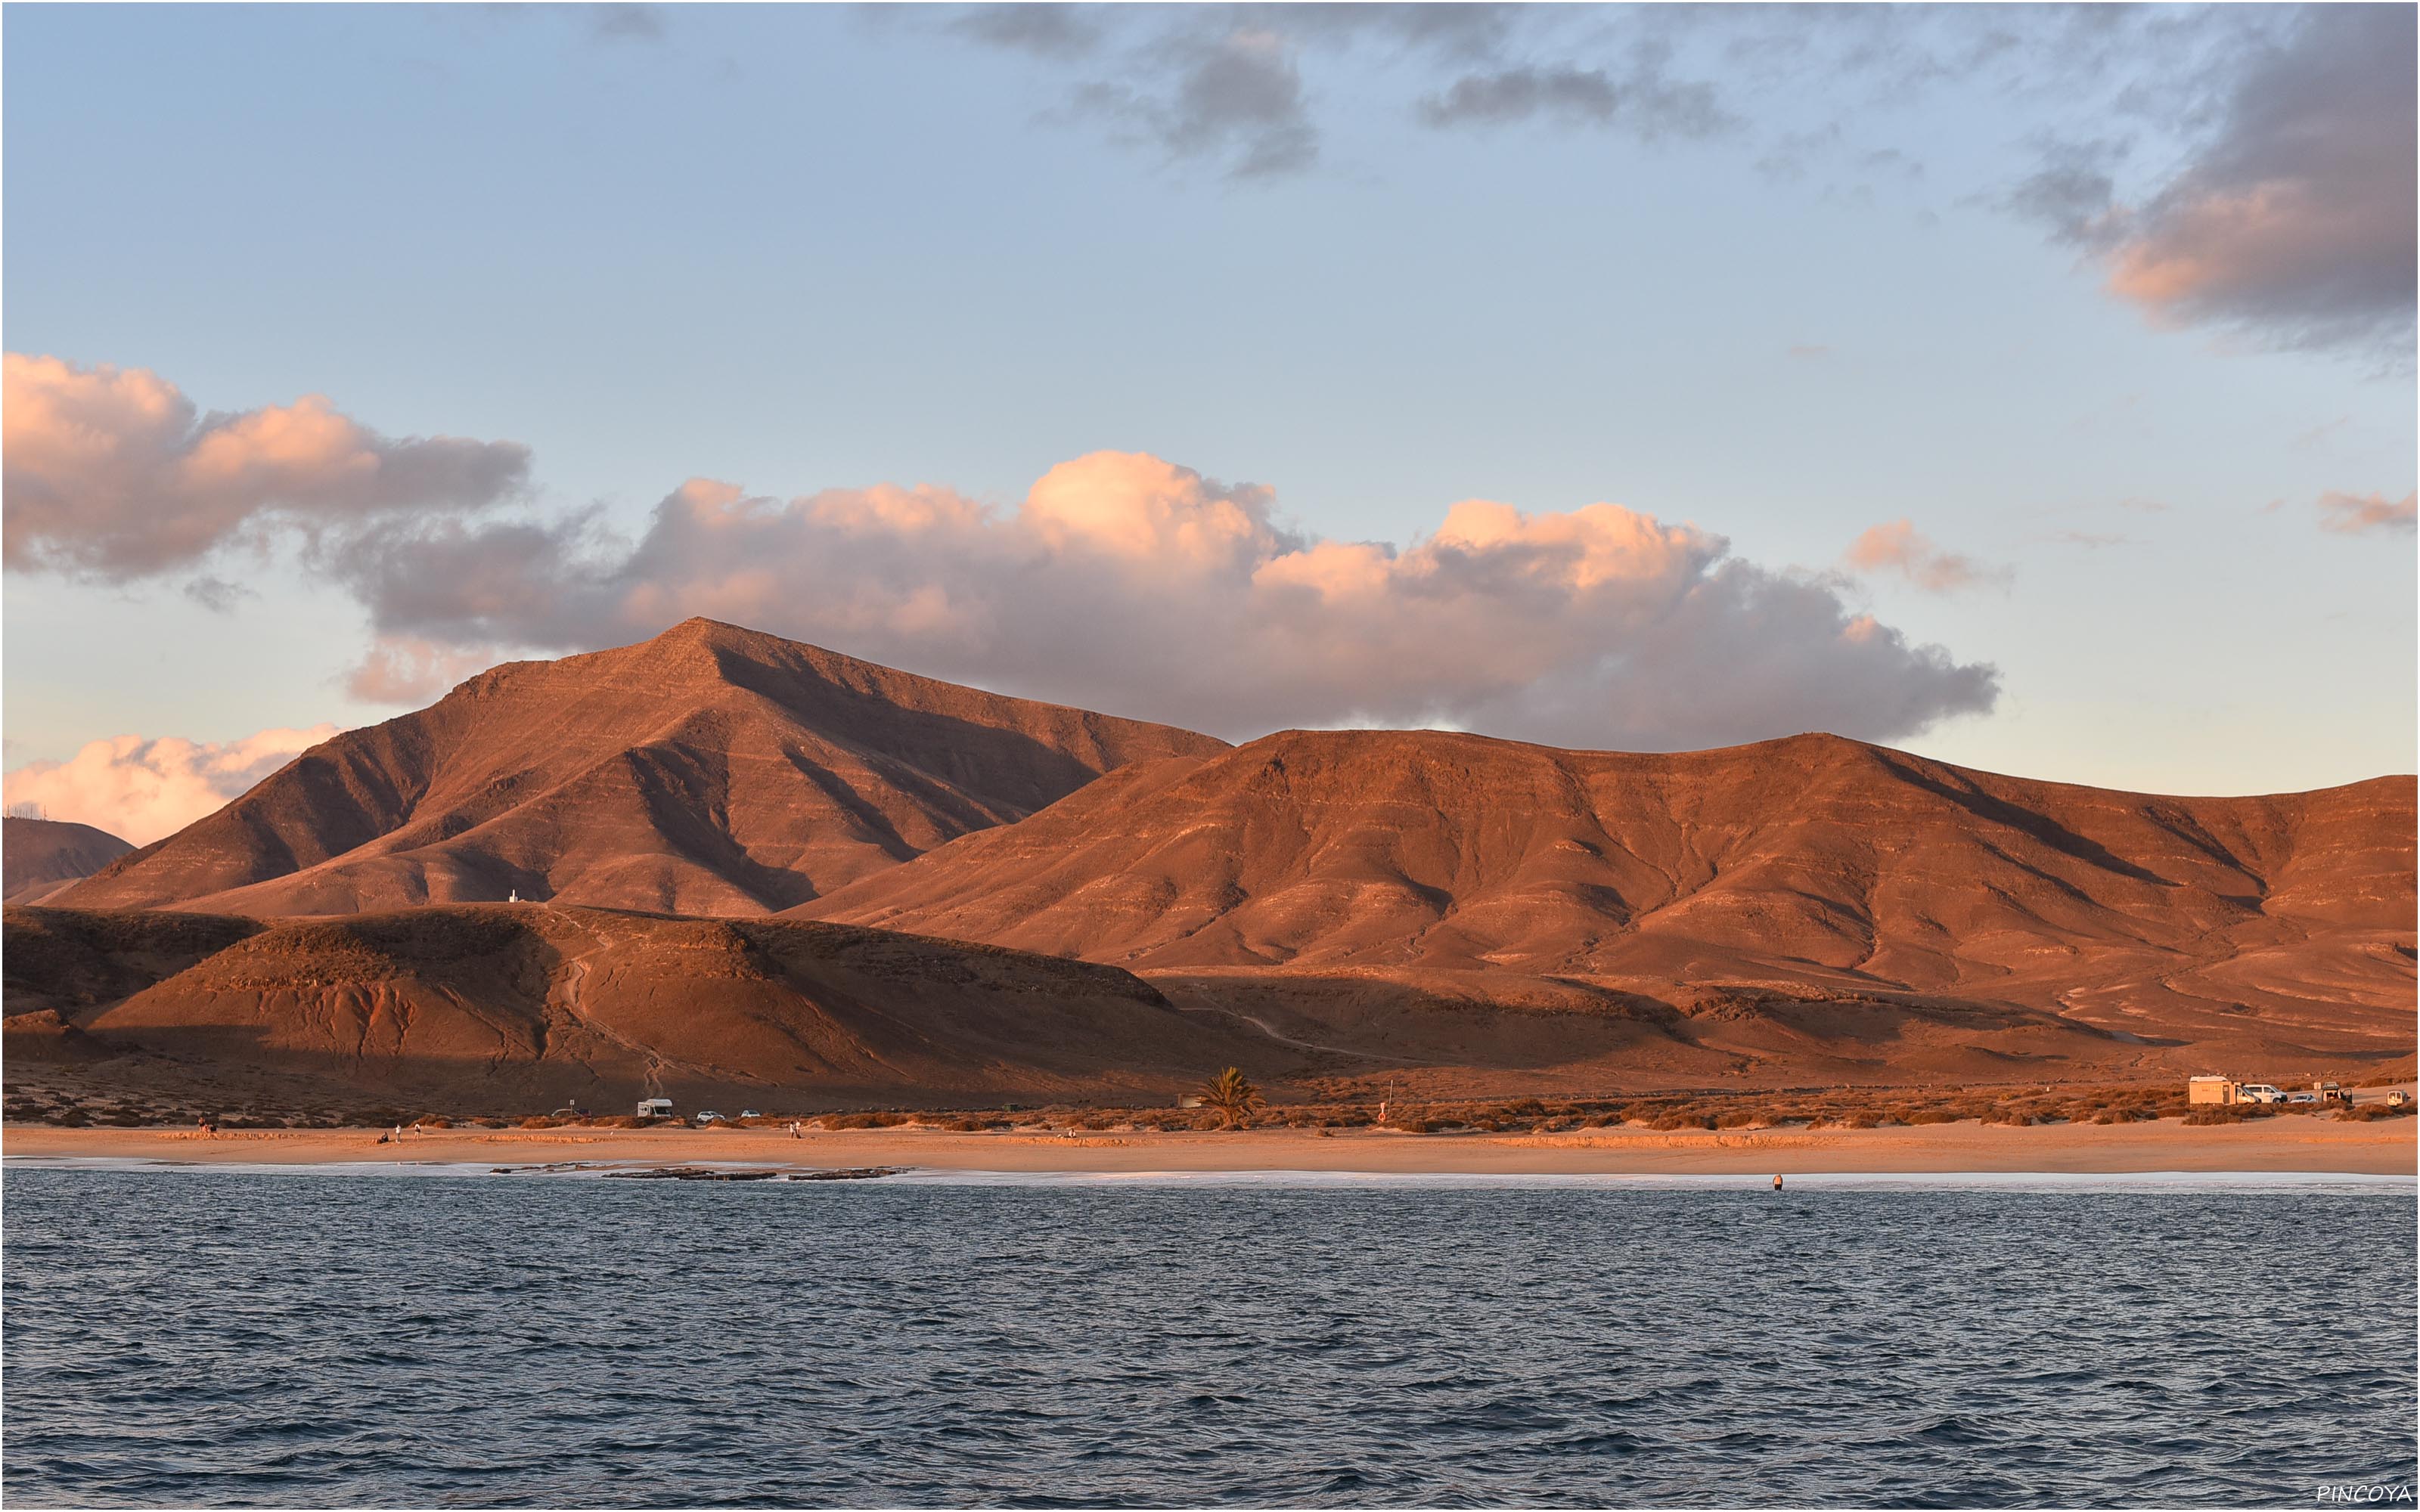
(2302, 1097)
(709, 1116)
(2259, 1092)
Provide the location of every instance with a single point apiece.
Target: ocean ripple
(268, 1339)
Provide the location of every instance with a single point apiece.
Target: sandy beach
(2385, 1148)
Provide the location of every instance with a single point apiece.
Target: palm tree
(1232, 1096)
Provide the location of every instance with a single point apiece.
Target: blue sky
(1782, 276)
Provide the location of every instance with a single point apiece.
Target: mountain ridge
(1814, 860)
(43, 857)
(708, 770)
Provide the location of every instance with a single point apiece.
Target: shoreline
(2271, 1145)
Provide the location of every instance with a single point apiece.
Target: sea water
(223, 1337)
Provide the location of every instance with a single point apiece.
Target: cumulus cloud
(2294, 221)
(1127, 582)
(1899, 546)
(141, 789)
(112, 472)
(2359, 514)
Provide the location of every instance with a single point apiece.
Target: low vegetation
(1235, 1099)
(1231, 1100)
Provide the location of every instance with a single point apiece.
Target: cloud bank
(1126, 582)
(1120, 581)
(141, 790)
(110, 472)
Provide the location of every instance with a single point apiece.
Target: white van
(2259, 1092)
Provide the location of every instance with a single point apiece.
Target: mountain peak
(711, 769)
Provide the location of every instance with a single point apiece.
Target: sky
(2030, 388)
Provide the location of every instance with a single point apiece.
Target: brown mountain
(501, 1006)
(1832, 898)
(711, 770)
(39, 856)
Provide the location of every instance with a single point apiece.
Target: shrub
(861, 1120)
(2235, 1113)
(2370, 1113)
(537, 1122)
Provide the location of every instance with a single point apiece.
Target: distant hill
(38, 857)
(1815, 868)
(494, 1008)
(711, 770)
(1434, 912)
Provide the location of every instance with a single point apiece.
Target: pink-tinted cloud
(142, 789)
(1898, 547)
(401, 669)
(2349, 513)
(113, 472)
(1126, 582)
(2295, 219)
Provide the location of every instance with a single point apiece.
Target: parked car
(2259, 1092)
(749, 1113)
(2396, 1097)
(706, 1116)
(2302, 1097)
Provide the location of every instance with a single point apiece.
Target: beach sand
(2282, 1144)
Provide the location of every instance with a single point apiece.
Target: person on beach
(1776, 1184)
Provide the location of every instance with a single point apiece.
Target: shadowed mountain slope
(1813, 866)
(38, 857)
(498, 1006)
(710, 770)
